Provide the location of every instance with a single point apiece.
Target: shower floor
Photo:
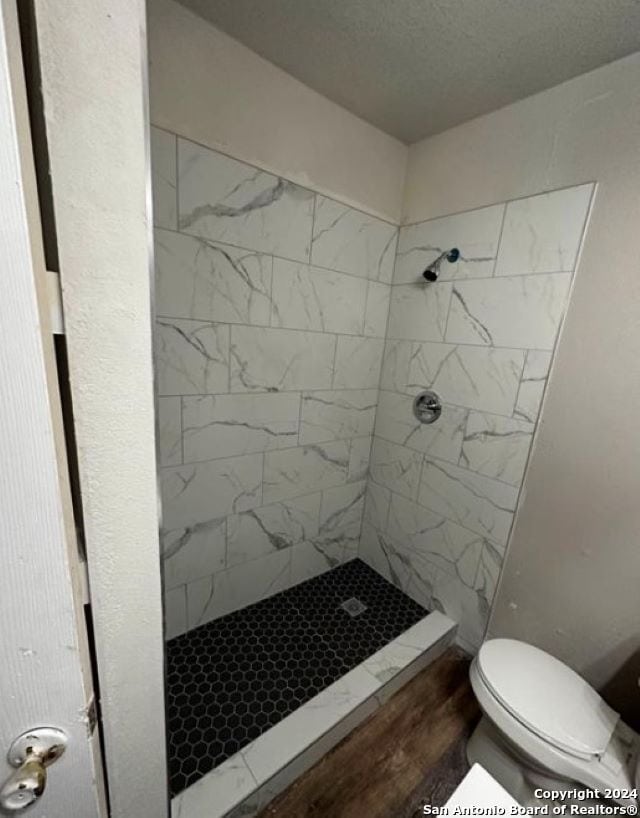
(232, 679)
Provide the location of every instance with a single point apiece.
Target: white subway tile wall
(440, 499)
(293, 333)
(272, 306)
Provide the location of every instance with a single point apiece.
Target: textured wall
(208, 87)
(271, 305)
(569, 583)
(441, 498)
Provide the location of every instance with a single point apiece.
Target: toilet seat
(547, 697)
(586, 743)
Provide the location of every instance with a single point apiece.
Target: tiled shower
(293, 332)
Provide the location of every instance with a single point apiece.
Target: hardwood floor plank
(409, 752)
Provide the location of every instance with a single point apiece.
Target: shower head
(433, 270)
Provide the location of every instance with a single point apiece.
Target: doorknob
(31, 753)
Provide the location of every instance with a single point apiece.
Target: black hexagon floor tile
(232, 679)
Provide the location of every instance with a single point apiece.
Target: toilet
(545, 730)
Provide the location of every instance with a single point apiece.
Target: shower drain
(353, 606)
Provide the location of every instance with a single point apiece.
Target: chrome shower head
(433, 270)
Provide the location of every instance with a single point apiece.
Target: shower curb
(245, 783)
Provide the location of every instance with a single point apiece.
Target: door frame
(93, 65)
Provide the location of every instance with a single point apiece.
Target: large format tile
(486, 582)
(163, 171)
(377, 311)
(395, 365)
(474, 233)
(395, 467)
(542, 234)
(314, 557)
(193, 552)
(359, 458)
(396, 422)
(192, 357)
(341, 514)
(293, 472)
(376, 505)
(521, 311)
(479, 503)
(202, 492)
(337, 415)
(169, 431)
(419, 311)
(534, 378)
(358, 362)
(226, 425)
(274, 360)
(481, 378)
(271, 528)
(225, 200)
(496, 446)
(242, 585)
(175, 612)
(350, 241)
(196, 278)
(307, 297)
(450, 546)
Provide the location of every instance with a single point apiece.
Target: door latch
(31, 753)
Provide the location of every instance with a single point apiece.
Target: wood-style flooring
(410, 752)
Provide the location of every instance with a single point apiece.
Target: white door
(45, 678)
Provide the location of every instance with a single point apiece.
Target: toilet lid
(547, 696)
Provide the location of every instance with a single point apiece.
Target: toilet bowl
(546, 734)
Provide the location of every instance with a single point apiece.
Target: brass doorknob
(31, 753)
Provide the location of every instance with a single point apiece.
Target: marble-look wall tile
(358, 362)
(396, 422)
(226, 425)
(275, 360)
(228, 201)
(419, 311)
(175, 612)
(475, 234)
(163, 167)
(486, 582)
(376, 505)
(202, 492)
(384, 556)
(337, 415)
(341, 514)
(532, 383)
(193, 552)
(396, 467)
(315, 557)
(237, 587)
(521, 311)
(481, 378)
(311, 298)
(196, 278)
(192, 357)
(377, 311)
(359, 458)
(542, 234)
(463, 604)
(450, 546)
(169, 431)
(293, 472)
(479, 503)
(272, 528)
(353, 242)
(497, 446)
(395, 365)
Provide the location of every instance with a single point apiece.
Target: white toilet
(544, 728)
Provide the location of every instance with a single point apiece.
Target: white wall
(570, 582)
(211, 89)
(92, 55)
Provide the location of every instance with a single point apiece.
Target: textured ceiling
(417, 67)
